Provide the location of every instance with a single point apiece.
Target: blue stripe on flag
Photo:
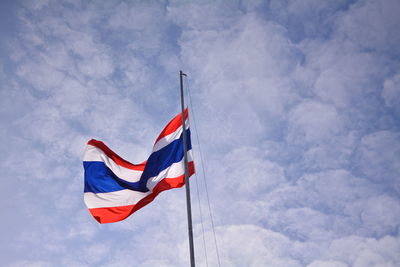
(163, 158)
(100, 179)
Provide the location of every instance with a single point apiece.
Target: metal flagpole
(188, 206)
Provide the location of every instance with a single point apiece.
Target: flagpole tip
(181, 73)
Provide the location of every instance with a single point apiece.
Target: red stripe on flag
(117, 159)
(115, 214)
(174, 124)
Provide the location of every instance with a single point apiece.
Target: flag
(116, 188)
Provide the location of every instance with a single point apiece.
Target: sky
(296, 105)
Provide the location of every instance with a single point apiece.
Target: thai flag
(116, 188)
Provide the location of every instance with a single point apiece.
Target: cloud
(327, 264)
(296, 105)
(365, 252)
(313, 122)
(377, 166)
(391, 92)
(306, 19)
(372, 25)
(335, 201)
(266, 246)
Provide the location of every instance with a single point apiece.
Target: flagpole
(188, 206)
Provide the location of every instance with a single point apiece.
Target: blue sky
(297, 105)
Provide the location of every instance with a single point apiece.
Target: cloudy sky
(297, 108)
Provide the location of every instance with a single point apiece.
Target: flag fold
(115, 188)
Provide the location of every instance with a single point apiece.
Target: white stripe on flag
(93, 153)
(129, 197)
(113, 199)
(175, 170)
(169, 138)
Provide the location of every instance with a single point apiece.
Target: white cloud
(378, 215)
(320, 263)
(306, 19)
(378, 155)
(97, 67)
(359, 251)
(40, 75)
(391, 92)
(344, 73)
(265, 246)
(315, 122)
(249, 173)
(372, 25)
(296, 106)
(21, 263)
(96, 253)
(219, 15)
